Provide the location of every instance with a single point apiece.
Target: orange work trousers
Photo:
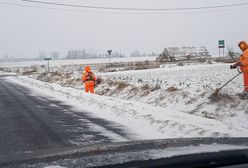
(89, 86)
(245, 81)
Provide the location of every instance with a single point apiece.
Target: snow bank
(55, 167)
(2, 73)
(146, 121)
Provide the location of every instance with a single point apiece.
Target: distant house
(184, 53)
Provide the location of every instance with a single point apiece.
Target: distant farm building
(184, 53)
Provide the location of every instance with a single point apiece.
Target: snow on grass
(185, 89)
(190, 78)
(144, 121)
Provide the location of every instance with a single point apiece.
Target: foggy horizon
(28, 30)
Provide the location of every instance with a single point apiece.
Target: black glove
(233, 66)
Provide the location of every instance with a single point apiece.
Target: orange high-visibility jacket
(88, 76)
(244, 61)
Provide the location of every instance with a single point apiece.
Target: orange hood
(243, 45)
(87, 68)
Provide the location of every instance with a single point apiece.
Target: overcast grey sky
(25, 31)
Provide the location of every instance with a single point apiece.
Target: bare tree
(42, 55)
(135, 54)
(55, 55)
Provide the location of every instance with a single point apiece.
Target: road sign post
(221, 44)
(48, 59)
(109, 53)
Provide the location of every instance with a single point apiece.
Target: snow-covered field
(76, 61)
(171, 101)
(187, 89)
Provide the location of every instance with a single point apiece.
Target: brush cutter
(216, 92)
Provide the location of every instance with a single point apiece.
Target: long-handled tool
(216, 92)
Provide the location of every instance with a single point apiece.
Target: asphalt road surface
(29, 122)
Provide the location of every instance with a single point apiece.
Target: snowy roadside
(184, 89)
(146, 121)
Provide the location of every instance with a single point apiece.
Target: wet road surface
(29, 122)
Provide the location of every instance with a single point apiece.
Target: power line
(113, 12)
(135, 9)
(58, 9)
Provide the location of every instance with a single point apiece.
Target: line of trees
(54, 55)
(89, 54)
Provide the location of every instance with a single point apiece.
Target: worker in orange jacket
(243, 64)
(89, 80)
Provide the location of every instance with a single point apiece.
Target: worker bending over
(89, 80)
